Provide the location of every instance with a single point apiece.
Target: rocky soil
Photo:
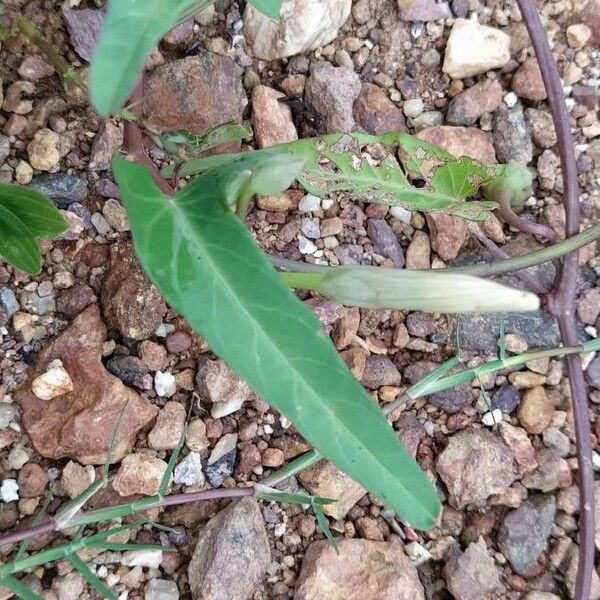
(90, 334)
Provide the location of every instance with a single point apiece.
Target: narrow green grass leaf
(324, 525)
(116, 547)
(19, 588)
(101, 588)
(338, 163)
(39, 558)
(36, 521)
(164, 484)
(114, 512)
(210, 270)
(38, 214)
(17, 244)
(106, 533)
(131, 30)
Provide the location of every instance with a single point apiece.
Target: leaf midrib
(200, 246)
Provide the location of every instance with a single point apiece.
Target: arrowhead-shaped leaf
(208, 267)
(130, 31)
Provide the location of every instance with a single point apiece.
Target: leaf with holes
(365, 167)
(212, 272)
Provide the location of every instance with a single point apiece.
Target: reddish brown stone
(94, 255)
(448, 234)
(132, 305)
(271, 118)
(361, 569)
(195, 93)
(527, 82)
(32, 481)
(376, 113)
(461, 141)
(73, 300)
(467, 107)
(79, 425)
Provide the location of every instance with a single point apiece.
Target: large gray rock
(482, 332)
(303, 25)
(512, 138)
(524, 533)
(232, 554)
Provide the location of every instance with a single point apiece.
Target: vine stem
(499, 267)
(160, 502)
(501, 254)
(133, 139)
(561, 302)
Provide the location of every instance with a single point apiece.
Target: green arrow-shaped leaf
(130, 31)
(208, 267)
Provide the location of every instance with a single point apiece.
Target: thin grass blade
(19, 588)
(100, 587)
(324, 525)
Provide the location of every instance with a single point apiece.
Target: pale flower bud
(435, 291)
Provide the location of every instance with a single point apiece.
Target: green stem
(304, 461)
(490, 367)
(533, 258)
(304, 280)
(497, 268)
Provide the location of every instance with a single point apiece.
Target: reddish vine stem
(51, 525)
(133, 139)
(562, 299)
(498, 253)
(509, 216)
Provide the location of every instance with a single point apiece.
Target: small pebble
(165, 384)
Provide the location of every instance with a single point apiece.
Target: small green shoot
(267, 493)
(185, 145)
